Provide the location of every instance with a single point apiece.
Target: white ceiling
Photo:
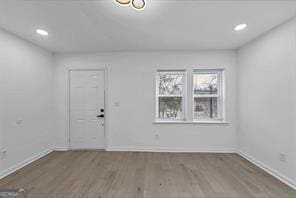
(102, 25)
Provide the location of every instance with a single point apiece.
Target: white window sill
(190, 122)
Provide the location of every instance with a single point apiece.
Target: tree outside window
(207, 94)
(170, 96)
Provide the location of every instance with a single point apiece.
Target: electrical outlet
(3, 154)
(156, 137)
(283, 157)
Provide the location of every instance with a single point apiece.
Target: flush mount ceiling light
(136, 4)
(42, 32)
(240, 27)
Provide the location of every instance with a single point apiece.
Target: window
(170, 92)
(207, 95)
(207, 91)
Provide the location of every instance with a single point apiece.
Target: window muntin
(207, 95)
(170, 94)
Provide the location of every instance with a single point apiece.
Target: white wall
(132, 84)
(266, 99)
(26, 96)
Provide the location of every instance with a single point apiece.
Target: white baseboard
(169, 150)
(24, 163)
(60, 149)
(269, 170)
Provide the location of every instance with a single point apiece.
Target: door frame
(106, 103)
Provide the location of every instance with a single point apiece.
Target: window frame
(183, 95)
(220, 95)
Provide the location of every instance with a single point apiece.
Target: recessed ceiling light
(42, 32)
(138, 4)
(240, 27)
(123, 2)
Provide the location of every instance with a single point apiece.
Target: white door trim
(106, 122)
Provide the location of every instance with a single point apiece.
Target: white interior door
(87, 129)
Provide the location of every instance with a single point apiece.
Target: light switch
(19, 121)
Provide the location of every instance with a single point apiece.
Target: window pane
(205, 108)
(205, 84)
(170, 83)
(170, 108)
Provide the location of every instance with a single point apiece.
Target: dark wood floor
(131, 174)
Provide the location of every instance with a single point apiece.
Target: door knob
(101, 116)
